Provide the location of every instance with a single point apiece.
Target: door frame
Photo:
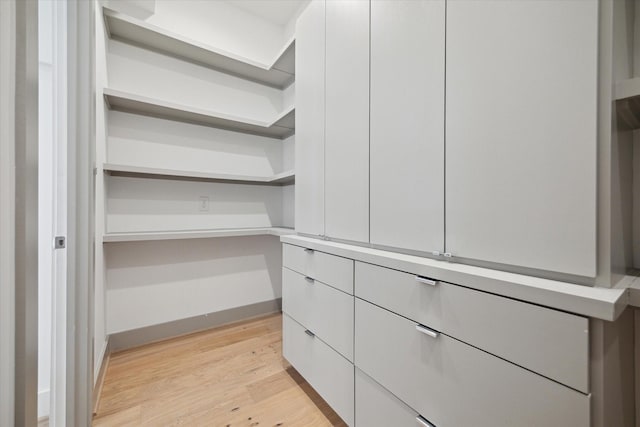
(80, 210)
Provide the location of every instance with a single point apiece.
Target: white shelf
(282, 126)
(195, 234)
(279, 73)
(280, 178)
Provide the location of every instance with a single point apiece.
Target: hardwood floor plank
(229, 376)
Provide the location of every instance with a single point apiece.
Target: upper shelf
(280, 178)
(279, 73)
(281, 127)
(194, 234)
(627, 96)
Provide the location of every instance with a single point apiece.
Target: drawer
(377, 407)
(330, 374)
(333, 270)
(325, 311)
(454, 384)
(550, 342)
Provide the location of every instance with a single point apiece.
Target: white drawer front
(377, 407)
(333, 270)
(453, 384)
(325, 311)
(550, 342)
(330, 374)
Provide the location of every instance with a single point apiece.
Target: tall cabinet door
(309, 188)
(347, 120)
(407, 124)
(521, 114)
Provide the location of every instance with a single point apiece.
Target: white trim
(57, 415)
(7, 209)
(80, 212)
(44, 399)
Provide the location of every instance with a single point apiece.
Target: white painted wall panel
(155, 282)
(310, 108)
(347, 120)
(144, 204)
(521, 133)
(407, 124)
(156, 143)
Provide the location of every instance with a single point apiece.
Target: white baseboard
(99, 361)
(44, 399)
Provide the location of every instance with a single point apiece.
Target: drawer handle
(308, 250)
(427, 331)
(309, 279)
(426, 281)
(423, 422)
(308, 332)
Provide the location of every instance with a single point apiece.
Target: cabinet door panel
(309, 188)
(407, 124)
(521, 115)
(347, 120)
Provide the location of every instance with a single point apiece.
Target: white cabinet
(451, 383)
(521, 114)
(347, 120)
(309, 197)
(330, 374)
(324, 310)
(407, 124)
(377, 407)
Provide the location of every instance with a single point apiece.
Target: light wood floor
(230, 376)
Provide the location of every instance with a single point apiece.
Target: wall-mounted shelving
(195, 234)
(627, 97)
(279, 73)
(286, 177)
(195, 136)
(282, 126)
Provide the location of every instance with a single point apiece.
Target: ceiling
(278, 12)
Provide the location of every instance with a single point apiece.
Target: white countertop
(599, 303)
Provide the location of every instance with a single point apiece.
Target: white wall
(165, 144)
(45, 201)
(221, 25)
(155, 282)
(145, 72)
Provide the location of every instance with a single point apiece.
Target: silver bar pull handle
(423, 422)
(308, 250)
(426, 281)
(308, 332)
(309, 279)
(427, 331)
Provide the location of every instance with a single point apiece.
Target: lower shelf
(194, 234)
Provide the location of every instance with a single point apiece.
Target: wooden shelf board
(280, 178)
(280, 127)
(279, 73)
(194, 234)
